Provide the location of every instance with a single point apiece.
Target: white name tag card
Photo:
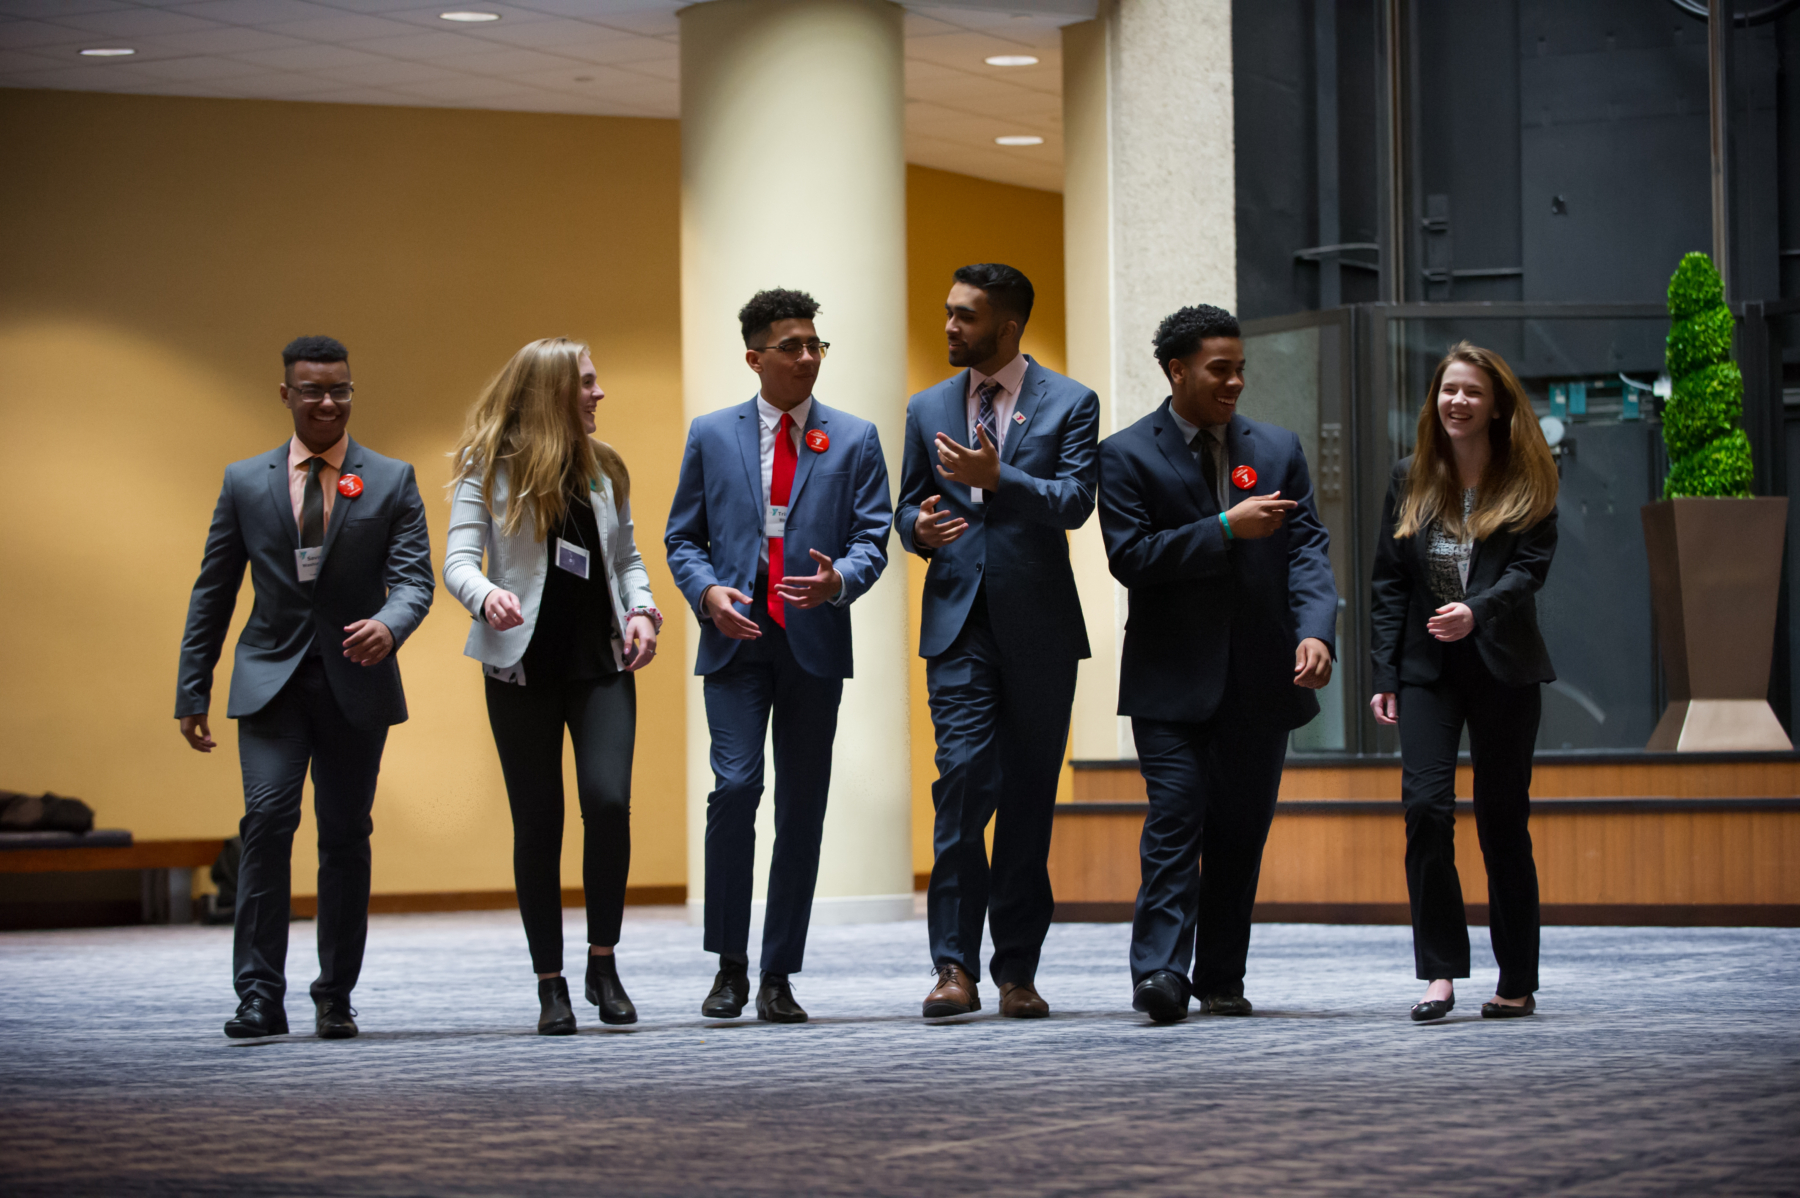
(775, 520)
(572, 558)
(306, 562)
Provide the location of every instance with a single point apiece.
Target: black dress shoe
(1226, 1004)
(730, 991)
(1433, 1008)
(1500, 1010)
(556, 1017)
(1163, 996)
(334, 1019)
(605, 990)
(775, 1001)
(257, 1017)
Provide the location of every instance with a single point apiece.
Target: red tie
(781, 485)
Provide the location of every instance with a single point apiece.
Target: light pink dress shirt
(1010, 377)
(298, 456)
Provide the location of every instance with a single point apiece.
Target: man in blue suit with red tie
(999, 466)
(780, 522)
(1209, 520)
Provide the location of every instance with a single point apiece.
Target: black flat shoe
(605, 990)
(775, 1001)
(557, 1017)
(1500, 1010)
(1433, 1008)
(1226, 1004)
(334, 1019)
(1163, 996)
(730, 991)
(257, 1017)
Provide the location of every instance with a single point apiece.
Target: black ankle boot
(605, 990)
(558, 1017)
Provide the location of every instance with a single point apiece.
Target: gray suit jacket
(376, 565)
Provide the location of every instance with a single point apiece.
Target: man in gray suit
(340, 559)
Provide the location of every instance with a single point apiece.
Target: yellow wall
(161, 251)
(158, 254)
(951, 221)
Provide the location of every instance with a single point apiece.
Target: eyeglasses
(313, 394)
(792, 348)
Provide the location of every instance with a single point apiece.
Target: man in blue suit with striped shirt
(780, 522)
(999, 465)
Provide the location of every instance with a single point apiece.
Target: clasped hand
(1259, 516)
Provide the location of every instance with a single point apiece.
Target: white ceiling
(599, 57)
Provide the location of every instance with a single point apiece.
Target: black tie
(312, 507)
(1209, 462)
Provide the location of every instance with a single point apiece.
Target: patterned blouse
(1447, 559)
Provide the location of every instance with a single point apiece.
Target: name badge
(572, 558)
(775, 520)
(306, 562)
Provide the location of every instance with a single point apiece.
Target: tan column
(1149, 226)
(793, 174)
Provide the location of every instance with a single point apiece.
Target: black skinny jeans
(1503, 723)
(528, 721)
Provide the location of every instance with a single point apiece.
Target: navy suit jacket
(1018, 540)
(839, 505)
(376, 566)
(1213, 622)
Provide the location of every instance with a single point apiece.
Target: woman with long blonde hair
(563, 618)
(1466, 541)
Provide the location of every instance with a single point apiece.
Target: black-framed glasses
(792, 348)
(313, 394)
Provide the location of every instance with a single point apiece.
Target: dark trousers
(1503, 724)
(761, 679)
(1001, 729)
(528, 723)
(1212, 790)
(303, 724)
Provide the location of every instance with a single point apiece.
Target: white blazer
(518, 564)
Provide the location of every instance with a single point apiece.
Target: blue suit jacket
(1017, 541)
(839, 505)
(376, 565)
(1213, 621)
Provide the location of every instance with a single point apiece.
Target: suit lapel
(1031, 391)
(749, 436)
(1240, 450)
(956, 427)
(340, 508)
(1181, 459)
(281, 499)
(819, 417)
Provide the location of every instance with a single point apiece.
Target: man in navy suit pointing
(1209, 520)
(999, 466)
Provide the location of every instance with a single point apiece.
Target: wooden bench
(166, 869)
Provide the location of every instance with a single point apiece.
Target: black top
(574, 631)
(1505, 572)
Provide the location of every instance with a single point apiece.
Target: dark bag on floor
(44, 813)
(222, 907)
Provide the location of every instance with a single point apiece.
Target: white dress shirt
(1215, 441)
(768, 423)
(1010, 377)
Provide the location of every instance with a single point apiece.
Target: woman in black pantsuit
(1467, 535)
(562, 620)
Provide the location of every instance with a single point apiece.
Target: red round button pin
(349, 486)
(1244, 478)
(817, 441)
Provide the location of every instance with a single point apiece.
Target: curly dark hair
(1007, 288)
(1181, 333)
(767, 307)
(313, 349)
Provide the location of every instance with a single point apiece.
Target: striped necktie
(984, 411)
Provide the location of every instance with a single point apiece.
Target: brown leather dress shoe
(954, 994)
(1020, 1000)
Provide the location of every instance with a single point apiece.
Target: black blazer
(377, 565)
(1505, 572)
(1212, 621)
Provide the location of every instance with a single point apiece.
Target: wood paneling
(307, 905)
(146, 854)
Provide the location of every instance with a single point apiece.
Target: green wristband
(1226, 525)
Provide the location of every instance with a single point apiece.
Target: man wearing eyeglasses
(1000, 463)
(780, 523)
(334, 536)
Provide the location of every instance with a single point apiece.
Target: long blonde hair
(1518, 487)
(528, 419)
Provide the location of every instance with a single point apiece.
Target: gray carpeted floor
(1662, 1062)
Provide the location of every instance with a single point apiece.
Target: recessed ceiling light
(108, 52)
(473, 18)
(1011, 60)
(1023, 139)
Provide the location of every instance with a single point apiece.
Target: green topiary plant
(1708, 452)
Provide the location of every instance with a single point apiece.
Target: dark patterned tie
(984, 411)
(312, 507)
(1209, 464)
